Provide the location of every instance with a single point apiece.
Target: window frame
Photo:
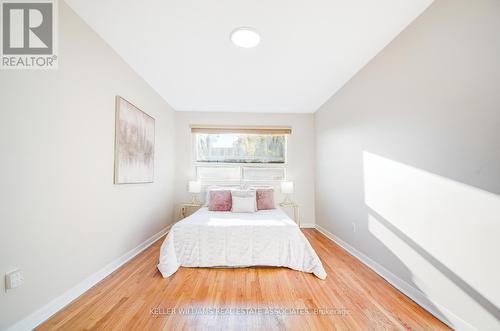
(241, 178)
(241, 165)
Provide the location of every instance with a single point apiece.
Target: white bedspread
(216, 239)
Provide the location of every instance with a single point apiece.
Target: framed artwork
(134, 144)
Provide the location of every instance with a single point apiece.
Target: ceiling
(309, 49)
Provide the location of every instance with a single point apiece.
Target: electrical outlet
(353, 226)
(13, 279)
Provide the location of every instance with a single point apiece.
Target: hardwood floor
(351, 298)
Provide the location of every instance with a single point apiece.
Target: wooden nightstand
(296, 211)
(186, 206)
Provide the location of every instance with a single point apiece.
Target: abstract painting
(134, 144)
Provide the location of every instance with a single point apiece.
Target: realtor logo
(28, 34)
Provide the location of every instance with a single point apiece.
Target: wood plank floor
(136, 297)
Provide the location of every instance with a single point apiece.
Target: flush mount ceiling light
(245, 37)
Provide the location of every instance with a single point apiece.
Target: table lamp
(287, 189)
(194, 187)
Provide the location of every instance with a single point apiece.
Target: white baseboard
(452, 320)
(306, 225)
(36, 318)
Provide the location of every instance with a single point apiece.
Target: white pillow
(245, 194)
(243, 205)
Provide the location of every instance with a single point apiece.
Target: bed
(226, 239)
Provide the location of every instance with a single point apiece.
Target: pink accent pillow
(220, 200)
(265, 199)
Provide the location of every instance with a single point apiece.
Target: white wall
(409, 151)
(61, 217)
(300, 167)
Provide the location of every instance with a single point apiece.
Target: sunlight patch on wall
(456, 224)
(399, 248)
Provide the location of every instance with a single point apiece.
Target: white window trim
(241, 177)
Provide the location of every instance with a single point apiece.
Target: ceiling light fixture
(245, 37)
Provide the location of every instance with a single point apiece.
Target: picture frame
(134, 144)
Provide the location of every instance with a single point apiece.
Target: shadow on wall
(443, 229)
(403, 271)
(471, 292)
(343, 181)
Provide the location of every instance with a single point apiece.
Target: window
(240, 148)
(240, 154)
(238, 173)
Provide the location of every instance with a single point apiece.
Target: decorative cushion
(243, 204)
(265, 199)
(220, 200)
(246, 194)
(217, 188)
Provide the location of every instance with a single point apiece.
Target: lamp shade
(287, 187)
(194, 187)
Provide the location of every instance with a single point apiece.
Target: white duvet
(217, 239)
